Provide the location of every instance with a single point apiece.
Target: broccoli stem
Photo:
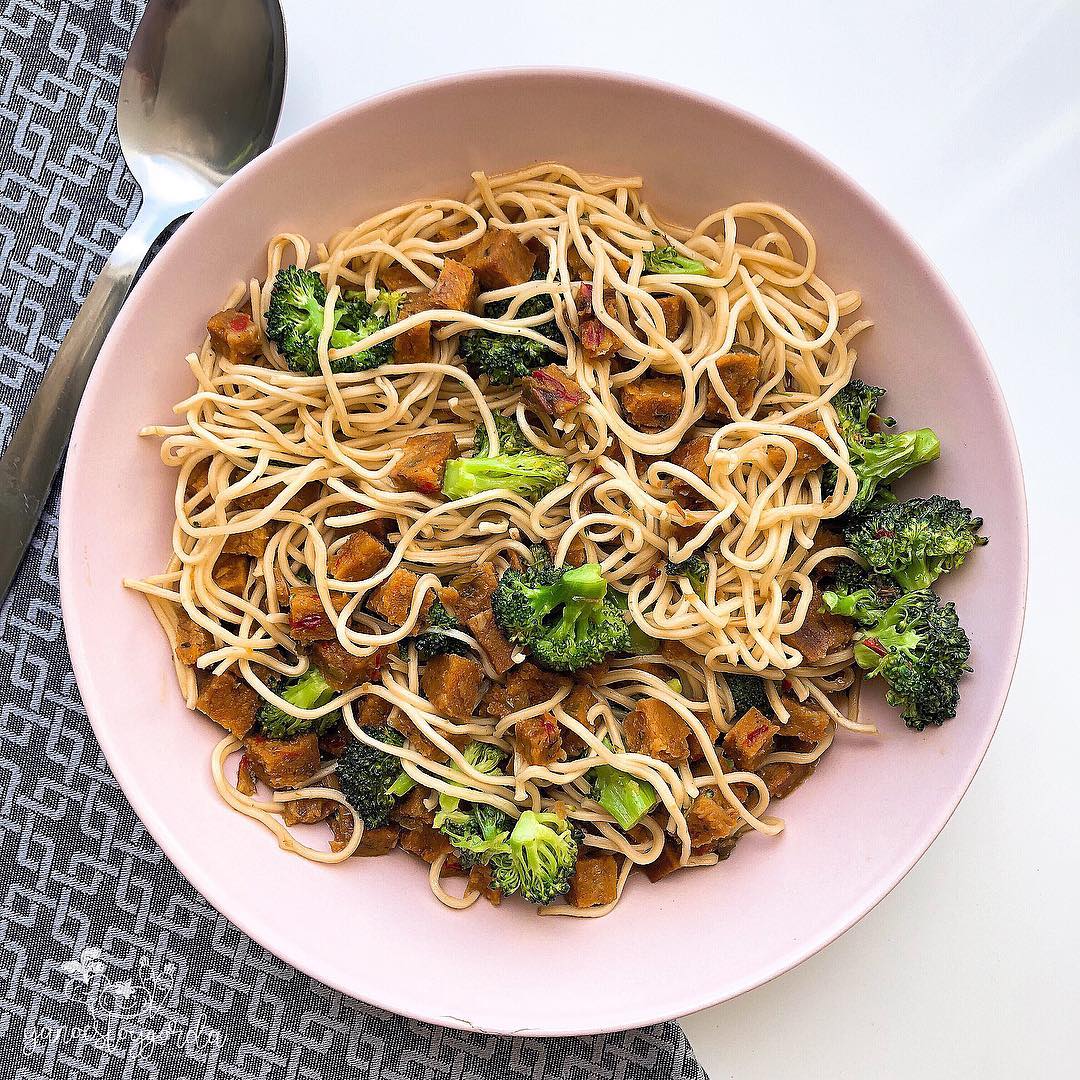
(626, 798)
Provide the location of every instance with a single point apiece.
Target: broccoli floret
(920, 649)
(916, 541)
(511, 438)
(541, 858)
(505, 358)
(669, 260)
(855, 404)
(294, 321)
(531, 475)
(371, 779)
(484, 758)
(695, 569)
(860, 594)
(478, 834)
(748, 692)
(878, 457)
(588, 628)
(307, 691)
(626, 798)
(433, 642)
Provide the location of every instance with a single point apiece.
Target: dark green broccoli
(916, 541)
(589, 627)
(433, 641)
(511, 438)
(484, 758)
(505, 358)
(540, 860)
(878, 457)
(307, 691)
(294, 321)
(860, 594)
(626, 798)
(372, 780)
(695, 569)
(669, 260)
(856, 411)
(920, 649)
(478, 834)
(748, 692)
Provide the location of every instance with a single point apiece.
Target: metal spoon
(200, 97)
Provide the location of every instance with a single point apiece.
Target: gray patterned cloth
(111, 965)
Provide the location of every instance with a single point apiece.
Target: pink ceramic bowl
(372, 928)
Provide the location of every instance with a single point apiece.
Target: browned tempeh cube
(750, 740)
(452, 684)
(228, 701)
(283, 763)
(654, 728)
(595, 881)
(359, 557)
(234, 335)
(500, 259)
(652, 404)
(423, 462)
(455, 289)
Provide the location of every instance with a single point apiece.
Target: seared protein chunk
(341, 669)
(500, 259)
(674, 309)
(550, 391)
(283, 763)
(422, 464)
(228, 701)
(742, 372)
(452, 684)
(455, 289)
(392, 600)
(808, 457)
(750, 740)
(652, 404)
(691, 456)
(234, 336)
(595, 881)
(413, 346)
(538, 739)
(709, 821)
(653, 727)
(783, 777)
(192, 641)
(822, 633)
(360, 556)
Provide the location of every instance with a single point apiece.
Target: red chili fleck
(875, 646)
(756, 733)
(785, 684)
(882, 533)
(309, 622)
(239, 322)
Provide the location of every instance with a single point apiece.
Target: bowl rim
(675, 1002)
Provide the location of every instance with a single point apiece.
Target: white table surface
(963, 118)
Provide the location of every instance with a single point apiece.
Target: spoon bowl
(194, 108)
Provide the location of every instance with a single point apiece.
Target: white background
(963, 118)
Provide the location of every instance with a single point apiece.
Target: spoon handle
(30, 462)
